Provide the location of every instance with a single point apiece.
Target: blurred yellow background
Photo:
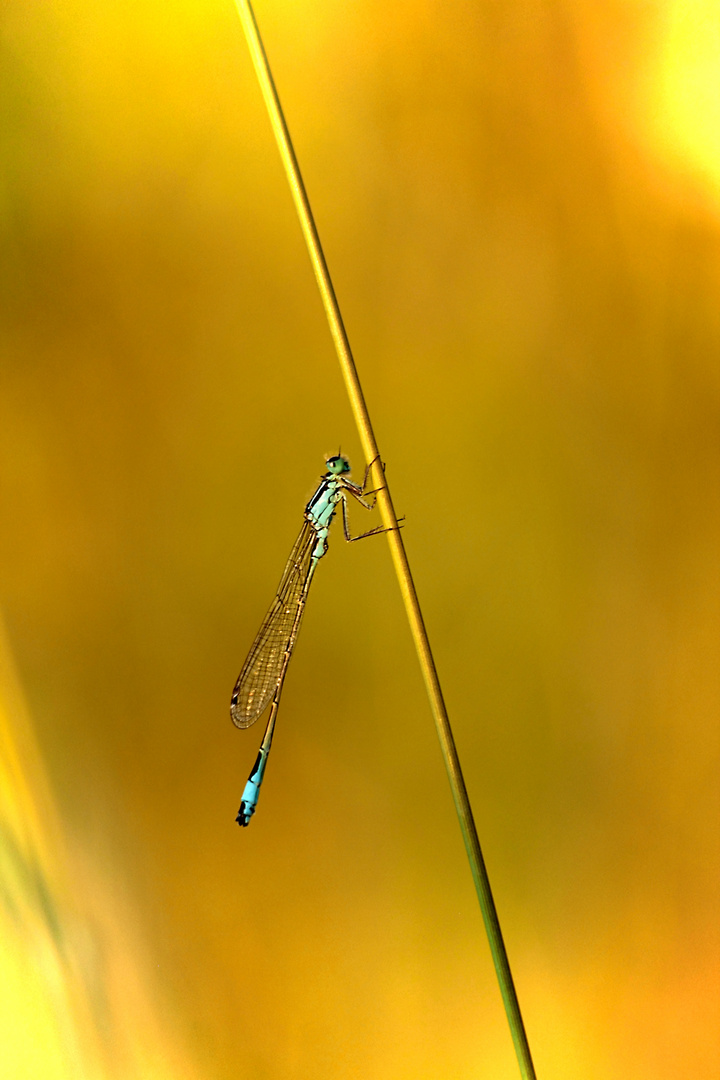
(520, 206)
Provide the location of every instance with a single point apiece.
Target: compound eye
(337, 464)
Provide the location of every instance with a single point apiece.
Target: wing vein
(261, 672)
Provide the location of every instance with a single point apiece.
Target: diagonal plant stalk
(394, 537)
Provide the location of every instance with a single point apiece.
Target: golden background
(520, 206)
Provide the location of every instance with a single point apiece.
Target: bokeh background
(520, 205)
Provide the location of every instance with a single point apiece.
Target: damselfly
(261, 680)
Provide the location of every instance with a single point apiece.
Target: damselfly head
(338, 465)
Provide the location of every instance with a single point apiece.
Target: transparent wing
(259, 677)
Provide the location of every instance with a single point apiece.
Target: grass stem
(397, 548)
